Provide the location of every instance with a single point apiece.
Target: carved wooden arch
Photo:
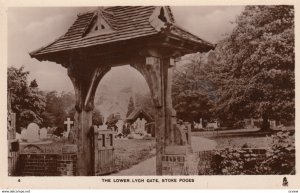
(85, 85)
(150, 70)
(86, 73)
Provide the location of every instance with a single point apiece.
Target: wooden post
(85, 82)
(158, 76)
(83, 121)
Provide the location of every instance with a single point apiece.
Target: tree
(254, 68)
(130, 107)
(145, 102)
(58, 108)
(33, 84)
(27, 102)
(192, 92)
(97, 118)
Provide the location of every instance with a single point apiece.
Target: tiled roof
(127, 22)
(136, 112)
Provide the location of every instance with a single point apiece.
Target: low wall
(32, 161)
(47, 164)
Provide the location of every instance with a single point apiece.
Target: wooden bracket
(85, 82)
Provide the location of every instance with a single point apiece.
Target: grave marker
(43, 133)
(24, 134)
(68, 122)
(33, 132)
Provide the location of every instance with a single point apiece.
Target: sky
(32, 28)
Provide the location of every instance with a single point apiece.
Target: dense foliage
(250, 74)
(27, 102)
(278, 159)
(145, 102)
(192, 92)
(59, 106)
(254, 66)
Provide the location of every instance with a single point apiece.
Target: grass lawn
(132, 151)
(252, 138)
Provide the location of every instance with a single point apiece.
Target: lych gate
(145, 37)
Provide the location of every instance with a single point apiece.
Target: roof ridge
(86, 12)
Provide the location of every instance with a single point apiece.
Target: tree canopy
(27, 102)
(192, 92)
(254, 66)
(59, 106)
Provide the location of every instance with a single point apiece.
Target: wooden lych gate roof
(136, 113)
(123, 25)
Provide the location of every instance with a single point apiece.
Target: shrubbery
(278, 159)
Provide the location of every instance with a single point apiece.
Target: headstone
(272, 124)
(24, 134)
(43, 133)
(18, 136)
(33, 132)
(143, 125)
(103, 127)
(140, 126)
(213, 125)
(119, 125)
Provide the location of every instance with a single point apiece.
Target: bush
(234, 162)
(280, 158)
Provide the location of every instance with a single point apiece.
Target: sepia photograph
(151, 91)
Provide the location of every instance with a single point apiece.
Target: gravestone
(18, 136)
(120, 124)
(103, 127)
(212, 125)
(198, 125)
(140, 126)
(43, 133)
(33, 132)
(24, 134)
(68, 122)
(272, 124)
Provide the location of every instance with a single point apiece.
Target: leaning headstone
(43, 133)
(33, 132)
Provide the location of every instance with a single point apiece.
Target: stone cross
(68, 122)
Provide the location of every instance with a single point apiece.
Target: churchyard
(170, 104)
